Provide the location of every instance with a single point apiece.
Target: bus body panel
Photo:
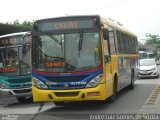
(22, 92)
(114, 68)
(97, 93)
(15, 79)
(18, 86)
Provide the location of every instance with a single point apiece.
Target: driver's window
(12, 58)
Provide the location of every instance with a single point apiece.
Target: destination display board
(64, 24)
(16, 40)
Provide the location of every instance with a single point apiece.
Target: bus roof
(72, 16)
(150, 52)
(13, 34)
(142, 52)
(109, 23)
(104, 21)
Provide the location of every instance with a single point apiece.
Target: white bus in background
(151, 55)
(143, 55)
(158, 58)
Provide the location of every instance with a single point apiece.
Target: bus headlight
(3, 86)
(39, 84)
(95, 81)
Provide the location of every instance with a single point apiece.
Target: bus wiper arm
(53, 38)
(80, 42)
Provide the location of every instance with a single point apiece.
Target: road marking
(153, 98)
(150, 104)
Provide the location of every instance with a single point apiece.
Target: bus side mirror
(26, 41)
(105, 34)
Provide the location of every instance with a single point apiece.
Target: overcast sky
(139, 16)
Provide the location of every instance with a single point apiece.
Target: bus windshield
(13, 62)
(67, 52)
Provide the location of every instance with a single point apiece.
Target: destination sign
(7, 69)
(11, 40)
(54, 64)
(63, 24)
(66, 25)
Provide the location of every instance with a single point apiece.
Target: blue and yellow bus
(78, 58)
(15, 67)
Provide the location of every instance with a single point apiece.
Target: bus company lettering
(79, 83)
(66, 25)
(51, 83)
(8, 69)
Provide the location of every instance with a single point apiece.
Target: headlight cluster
(3, 86)
(39, 84)
(95, 81)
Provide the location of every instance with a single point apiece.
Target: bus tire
(131, 86)
(21, 99)
(113, 97)
(59, 103)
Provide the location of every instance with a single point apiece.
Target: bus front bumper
(97, 93)
(15, 92)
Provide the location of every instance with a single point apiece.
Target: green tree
(25, 24)
(153, 40)
(16, 23)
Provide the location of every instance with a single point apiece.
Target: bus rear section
(15, 67)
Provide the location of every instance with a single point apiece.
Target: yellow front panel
(42, 95)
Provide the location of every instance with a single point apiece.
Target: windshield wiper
(80, 42)
(69, 67)
(53, 38)
(56, 40)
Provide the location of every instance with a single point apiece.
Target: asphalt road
(128, 102)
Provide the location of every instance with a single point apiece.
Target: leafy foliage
(25, 24)
(153, 40)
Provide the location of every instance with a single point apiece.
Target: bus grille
(65, 78)
(22, 91)
(66, 94)
(19, 80)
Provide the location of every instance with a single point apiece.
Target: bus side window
(106, 46)
(105, 34)
(113, 49)
(26, 40)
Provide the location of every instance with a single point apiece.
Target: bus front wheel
(131, 86)
(114, 95)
